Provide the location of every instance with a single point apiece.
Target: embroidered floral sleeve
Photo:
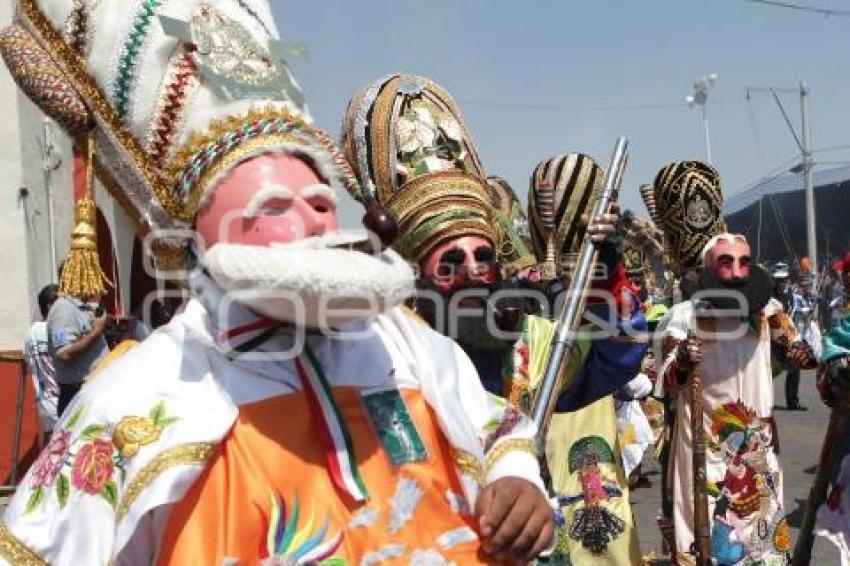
(90, 458)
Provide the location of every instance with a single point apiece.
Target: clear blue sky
(536, 78)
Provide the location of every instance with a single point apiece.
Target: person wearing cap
(839, 304)
(292, 413)
(784, 294)
(409, 143)
(797, 305)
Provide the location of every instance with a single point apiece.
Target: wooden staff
(702, 526)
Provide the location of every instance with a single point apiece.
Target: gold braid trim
(237, 155)
(380, 130)
(501, 449)
(469, 465)
(301, 133)
(15, 552)
(181, 455)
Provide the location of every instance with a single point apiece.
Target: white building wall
(26, 228)
(15, 299)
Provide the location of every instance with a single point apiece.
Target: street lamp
(700, 97)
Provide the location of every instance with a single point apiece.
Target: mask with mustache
(468, 325)
(750, 293)
(309, 282)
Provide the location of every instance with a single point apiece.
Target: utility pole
(805, 145)
(700, 97)
(707, 137)
(808, 175)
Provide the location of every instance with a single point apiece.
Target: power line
(591, 108)
(823, 11)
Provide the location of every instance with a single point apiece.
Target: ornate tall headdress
(514, 252)
(642, 246)
(174, 93)
(410, 147)
(688, 200)
(562, 189)
(647, 194)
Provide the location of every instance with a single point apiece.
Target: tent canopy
(771, 214)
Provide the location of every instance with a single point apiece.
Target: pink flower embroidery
(93, 466)
(46, 468)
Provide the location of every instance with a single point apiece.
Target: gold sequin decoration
(469, 465)
(15, 552)
(218, 128)
(500, 449)
(180, 455)
(235, 156)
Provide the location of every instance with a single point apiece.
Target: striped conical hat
(562, 189)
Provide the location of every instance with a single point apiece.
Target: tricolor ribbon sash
(326, 414)
(331, 427)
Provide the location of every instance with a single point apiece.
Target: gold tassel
(81, 275)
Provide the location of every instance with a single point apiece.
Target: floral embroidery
(782, 536)
(515, 373)
(593, 524)
(747, 513)
(46, 468)
(131, 433)
(430, 140)
(89, 459)
(289, 543)
(512, 417)
(93, 466)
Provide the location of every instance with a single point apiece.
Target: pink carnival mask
(730, 260)
(271, 198)
(463, 262)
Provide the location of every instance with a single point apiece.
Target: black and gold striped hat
(688, 200)
(562, 189)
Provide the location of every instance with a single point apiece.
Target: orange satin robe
(273, 446)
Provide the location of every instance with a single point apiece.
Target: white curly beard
(307, 283)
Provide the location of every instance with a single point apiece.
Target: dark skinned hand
(604, 226)
(515, 519)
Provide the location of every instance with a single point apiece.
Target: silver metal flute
(568, 321)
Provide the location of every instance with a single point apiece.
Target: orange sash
(273, 448)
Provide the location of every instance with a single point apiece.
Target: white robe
(183, 367)
(735, 367)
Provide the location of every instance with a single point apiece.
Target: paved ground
(801, 437)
